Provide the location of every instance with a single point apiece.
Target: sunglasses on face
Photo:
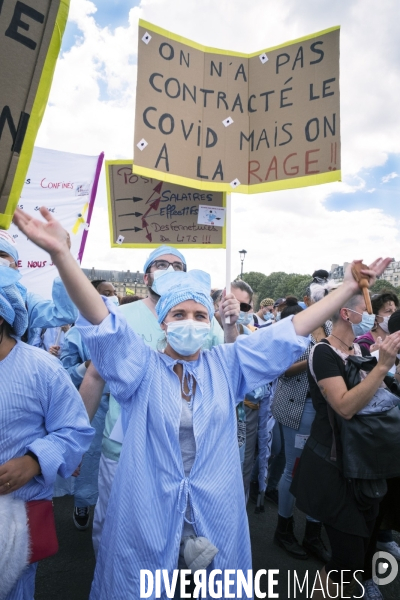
(162, 265)
(244, 307)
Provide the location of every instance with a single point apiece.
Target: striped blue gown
(40, 411)
(150, 492)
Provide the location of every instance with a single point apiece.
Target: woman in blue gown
(179, 476)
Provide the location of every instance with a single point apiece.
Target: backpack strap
(331, 412)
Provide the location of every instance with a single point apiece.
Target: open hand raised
(48, 235)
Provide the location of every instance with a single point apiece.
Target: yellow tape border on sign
(210, 50)
(267, 186)
(129, 163)
(36, 116)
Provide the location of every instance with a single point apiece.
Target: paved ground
(68, 575)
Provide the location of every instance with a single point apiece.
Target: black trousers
(352, 552)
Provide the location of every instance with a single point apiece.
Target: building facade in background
(122, 280)
(391, 274)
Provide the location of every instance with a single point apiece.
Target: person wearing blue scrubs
(44, 430)
(179, 473)
(75, 357)
(42, 313)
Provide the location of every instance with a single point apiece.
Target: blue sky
(110, 13)
(100, 76)
(381, 190)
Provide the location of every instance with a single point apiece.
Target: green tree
(254, 279)
(381, 284)
(276, 285)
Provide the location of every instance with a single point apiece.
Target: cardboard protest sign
(224, 121)
(146, 212)
(30, 40)
(66, 184)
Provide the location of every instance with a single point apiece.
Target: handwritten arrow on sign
(156, 190)
(137, 214)
(132, 229)
(153, 206)
(134, 198)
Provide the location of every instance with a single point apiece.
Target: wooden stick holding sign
(228, 222)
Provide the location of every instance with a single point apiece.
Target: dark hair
(291, 309)
(96, 282)
(239, 284)
(394, 322)
(321, 274)
(216, 295)
(291, 301)
(129, 299)
(378, 300)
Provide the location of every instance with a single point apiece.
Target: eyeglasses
(244, 307)
(162, 265)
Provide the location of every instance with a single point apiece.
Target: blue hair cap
(161, 251)
(8, 245)
(179, 286)
(12, 305)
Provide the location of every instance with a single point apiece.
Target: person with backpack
(341, 476)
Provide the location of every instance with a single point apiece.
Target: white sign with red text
(66, 184)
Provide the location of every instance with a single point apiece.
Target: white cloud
(387, 178)
(92, 109)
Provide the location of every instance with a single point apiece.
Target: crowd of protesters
(170, 413)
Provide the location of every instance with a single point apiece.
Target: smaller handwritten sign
(211, 215)
(146, 212)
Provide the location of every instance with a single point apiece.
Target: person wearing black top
(320, 488)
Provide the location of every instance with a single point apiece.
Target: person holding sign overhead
(179, 468)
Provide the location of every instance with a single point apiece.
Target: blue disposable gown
(41, 411)
(150, 492)
(48, 313)
(85, 486)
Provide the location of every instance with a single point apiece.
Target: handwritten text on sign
(221, 120)
(148, 212)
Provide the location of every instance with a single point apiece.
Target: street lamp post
(242, 254)
(136, 280)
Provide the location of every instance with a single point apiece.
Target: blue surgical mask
(187, 337)
(161, 272)
(245, 318)
(278, 316)
(268, 316)
(114, 300)
(365, 325)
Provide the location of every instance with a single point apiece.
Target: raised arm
(306, 321)
(50, 236)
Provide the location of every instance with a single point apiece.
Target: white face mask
(186, 337)
(384, 324)
(114, 300)
(5, 263)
